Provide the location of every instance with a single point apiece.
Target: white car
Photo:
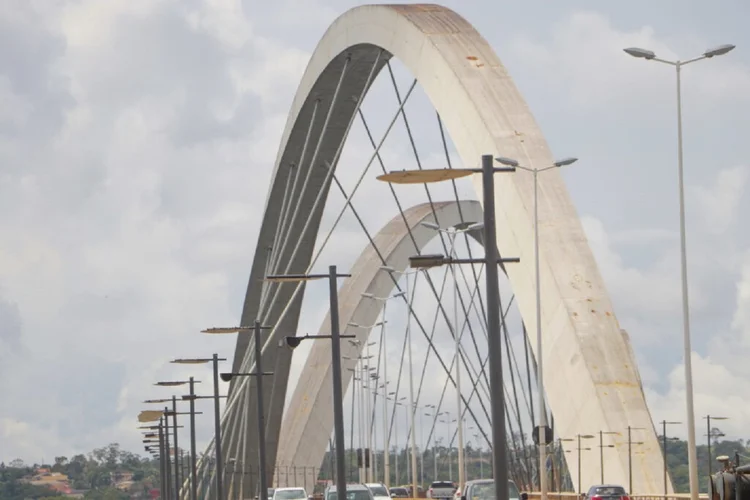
(289, 494)
(379, 491)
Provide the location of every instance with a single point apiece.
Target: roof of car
(290, 488)
(350, 487)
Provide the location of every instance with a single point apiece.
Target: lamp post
(386, 434)
(630, 455)
(651, 56)
(434, 415)
(708, 436)
(579, 437)
(452, 234)
(258, 374)
(664, 424)
(338, 396)
(193, 463)
(215, 359)
(601, 449)
(369, 417)
(499, 455)
(541, 430)
(412, 410)
(174, 414)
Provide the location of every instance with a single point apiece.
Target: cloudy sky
(137, 138)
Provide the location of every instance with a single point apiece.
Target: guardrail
(535, 495)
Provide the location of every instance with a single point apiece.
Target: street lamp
(368, 400)
(579, 437)
(194, 471)
(258, 374)
(601, 449)
(499, 455)
(452, 234)
(708, 434)
(541, 431)
(664, 424)
(651, 56)
(338, 396)
(630, 455)
(412, 411)
(174, 414)
(217, 416)
(386, 434)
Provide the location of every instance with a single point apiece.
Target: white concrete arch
(484, 113)
(308, 420)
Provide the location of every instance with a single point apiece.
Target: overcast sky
(137, 138)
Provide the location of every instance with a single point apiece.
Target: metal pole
(262, 475)
(176, 447)
(580, 492)
(217, 433)
(386, 436)
(193, 460)
(461, 478)
(692, 452)
(168, 463)
(499, 457)
(162, 454)
(539, 355)
(664, 439)
(338, 396)
(630, 463)
(708, 437)
(368, 415)
(601, 455)
(412, 430)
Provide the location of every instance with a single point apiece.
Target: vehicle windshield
(608, 491)
(487, 491)
(378, 491)
(351, 495)
(442, 484)
(290, 495)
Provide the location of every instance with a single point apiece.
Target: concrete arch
(308, 420)
(484, 113)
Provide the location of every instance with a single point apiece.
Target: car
(270, 492)
(399, 492)
(442, 489)
(353, 492)
(484, 489)
(289, 494)
(379, 491)
(607, 492)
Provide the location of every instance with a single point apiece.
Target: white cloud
(584, 55)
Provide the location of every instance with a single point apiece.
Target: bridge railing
(534, 495)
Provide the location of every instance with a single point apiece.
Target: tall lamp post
(412, 409)
(173, 413)
(651, 56)
(630, 455)
(371, 471)
(708, 436)
(664, 424)
(601, 449)
(338, 394)
(215, 359)
(544, 435)
(193, 461)
(452, 234)
(258, 374)
(579, 437)
(386, 434)
(499, 455)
